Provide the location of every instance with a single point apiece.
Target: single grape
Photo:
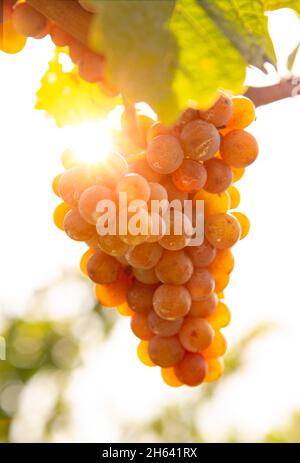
(155, 130)
(28, 21)
(59, 215)
(164, 154)
(174, 267)
(205, 307)
(72, 184)
(90, 198)
(173, 192)
(213, 203)
(163, 327)
(239, 148)
(200, 140)
(219, 176)
(191, 370)
(202, 255)
(158, 193)
(140, 296)
(196, 334)
(190, 176)
(238, 173)
(222, 230)
(77, 228)
(93, 242)
(220, 112)
(102, 268)
(215, 370)
(143, 355)
(169, 377)
(55, 184)
(84, 260)
(221, 281)
(140, 326)
(235, 197)
(201, 284)
(144, 256)
(178, 232)
(244, 223)
(165, 351)
(112, 245)
(171, 301)
(223, 262)
(221, 317)
(113, 294)
(188, 115)
(217, 348)
(10, 40)
(146, 276)
(59, 37)
(243, 113)
(136, 187)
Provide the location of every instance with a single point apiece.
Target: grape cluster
(172, 291)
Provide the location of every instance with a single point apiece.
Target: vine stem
(265, 95)
(130, 121)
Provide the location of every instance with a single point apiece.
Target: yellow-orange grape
(10, 41)
(220, 317)
(215, 368)
(165, 351)
(213, 203)
(72, 184)
(196, 334)
(102, 268)
(84, 260)
(143, 355)
(28, 21)
(200, 140)
(201, 284)
(55, 184)
(171, 301)
(140, 326)
(243, 113)
(190, 176)
(125, 310)
(219, 176)
(59, 37)
(176, 237)
(221, 281)
(136, 187)
(222, 230)
(239, 148)
(202, 255)
(76, 228)
(169, 377)
(163, 327)
(174, 267)
(157, 129)
(238, 173)
(144, 123)
(217, 348)
(244, 223)
(223, 262)
(235, 197)
(188, 115)
(89, 199)
(91, 66)
(144, 256)
(191, 370)
(220, 112)
(205, 307)
(112, 245)
(158, 193)
(173, 192)
(93, 242)
(140, 296)
(109, 169)
(113, 294)
(141, 166)
(164, 154)
(59, 215)
(148, 277)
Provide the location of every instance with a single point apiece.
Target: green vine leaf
(68, 99)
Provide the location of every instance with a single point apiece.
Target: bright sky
(113, 385)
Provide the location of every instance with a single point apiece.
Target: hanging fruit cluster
(172, 291)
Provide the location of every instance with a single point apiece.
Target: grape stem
(130, 121)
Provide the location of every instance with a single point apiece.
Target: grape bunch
(173, 291)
